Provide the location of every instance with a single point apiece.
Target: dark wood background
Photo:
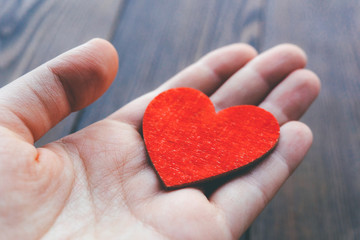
(156, 39)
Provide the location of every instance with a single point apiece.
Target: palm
(98, 183)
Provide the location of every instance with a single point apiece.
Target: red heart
(188, 141)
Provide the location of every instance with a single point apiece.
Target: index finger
(206, 75)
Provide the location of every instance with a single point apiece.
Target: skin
(98, 184)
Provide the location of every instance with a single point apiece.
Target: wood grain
(157, 39)
(34, 31)
(322, 199)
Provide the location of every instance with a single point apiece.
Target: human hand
(98, 183)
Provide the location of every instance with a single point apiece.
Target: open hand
(98, 184)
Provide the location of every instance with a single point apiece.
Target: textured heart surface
(189, 142)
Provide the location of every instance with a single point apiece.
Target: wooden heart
(189, 142)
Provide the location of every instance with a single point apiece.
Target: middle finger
(252, 83)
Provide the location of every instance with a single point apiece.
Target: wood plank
(34, 31)
(322, 199)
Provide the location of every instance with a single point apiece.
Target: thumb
(34, 103)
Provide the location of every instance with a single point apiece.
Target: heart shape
(189, 142)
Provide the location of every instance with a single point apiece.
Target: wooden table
(156, 39)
